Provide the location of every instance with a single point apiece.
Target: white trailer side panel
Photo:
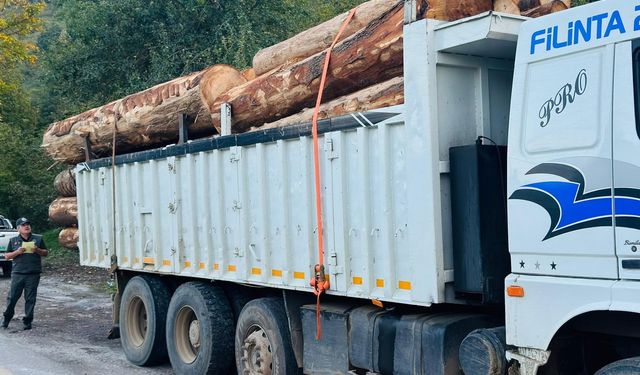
(247, 213)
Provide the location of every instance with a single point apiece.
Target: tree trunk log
(318, 38)
(65, 183)
(543, 10)
(451, 10)
(68, 238)
(523, 6)
(368, 57)
(64, 211)
(143, 120)
(384, 94)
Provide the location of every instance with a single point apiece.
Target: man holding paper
(26, 250)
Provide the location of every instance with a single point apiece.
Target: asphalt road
(69, 335)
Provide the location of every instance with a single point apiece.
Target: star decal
(522, 264)
(553, 265)
(537, 265)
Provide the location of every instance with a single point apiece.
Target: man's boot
(5, 323)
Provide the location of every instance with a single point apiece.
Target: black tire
(6, 269)
(200, 330)
(143, 338)
(238, 297)
(629, 366)
(264, 319)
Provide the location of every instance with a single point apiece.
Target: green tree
(18, 19)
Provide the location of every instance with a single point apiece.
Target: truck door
(626, 157)
(560, 174)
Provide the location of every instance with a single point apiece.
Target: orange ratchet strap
(320, 282)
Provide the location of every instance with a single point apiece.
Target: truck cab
(573, 186)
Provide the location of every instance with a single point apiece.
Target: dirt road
(69, 335)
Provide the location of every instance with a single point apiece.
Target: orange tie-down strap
(320, 282)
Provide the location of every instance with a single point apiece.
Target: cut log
(451, 10)
(523, 6)
(318, 38)
(64, 211)
(143, 120)
(385, 94)
(218, 80)
(68, 238)
(543, 10)
(249, 74)
(65, 183)
(370, 56)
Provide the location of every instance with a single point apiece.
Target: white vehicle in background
(6, 233)
(213, 241)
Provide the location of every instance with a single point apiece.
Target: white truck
(6, 233)
(213, 241)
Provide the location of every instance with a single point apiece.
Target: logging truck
(490, 223)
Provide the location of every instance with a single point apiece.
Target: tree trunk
(64, 211)
(451, 10)
(523, 6)
(68, 238)
(318, 38)
(143, 120)
(381, 95)
(368, 57)
(65, 183)
(543, 10)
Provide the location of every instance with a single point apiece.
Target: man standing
(26, 250)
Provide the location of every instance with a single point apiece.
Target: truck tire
(143, 312)
(263, 340)
(200, 330)
(6, 269)
(629, 366)
(238, 298)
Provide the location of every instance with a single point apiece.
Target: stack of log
(279, 90)
(64, 209)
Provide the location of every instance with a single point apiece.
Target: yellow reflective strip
(166, 262)
(136, 260)
(216, 266)
(380, 283)
(276, 273)
(256, 271)
(125, 259)
(202, 265)
(404, 285)
(187, 263)
(231, 268)
(148, 260)
(357, 280)
(298, 275)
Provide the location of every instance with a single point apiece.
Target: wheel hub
(194, 334)
(256, 355)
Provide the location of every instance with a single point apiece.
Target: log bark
(65, 183)
(384, 94)
(451, 10)
(143, 120)
(68, 238)
(523, 6)
(64, 211)
(543, 10)
(318, 38)
(368, 57)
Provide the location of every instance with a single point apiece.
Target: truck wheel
(6, 269)
(263, 340)
(629, 366)
(143, 312)
(200, 330)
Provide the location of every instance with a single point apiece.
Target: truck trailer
(488, 224)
